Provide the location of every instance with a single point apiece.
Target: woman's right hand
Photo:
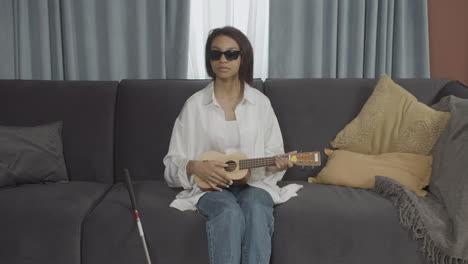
(210, 171)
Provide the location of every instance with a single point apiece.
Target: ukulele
(239, 165)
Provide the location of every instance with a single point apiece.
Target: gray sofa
(109, 126)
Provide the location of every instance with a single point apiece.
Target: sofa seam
(116, 130)
(90, 211)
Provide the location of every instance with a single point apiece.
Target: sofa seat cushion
(324, 224)
(41, 223)
(111, 235)
(336, 224)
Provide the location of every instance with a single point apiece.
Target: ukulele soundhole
(231, 166)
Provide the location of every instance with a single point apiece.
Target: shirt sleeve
(176, 159)
(273, 141)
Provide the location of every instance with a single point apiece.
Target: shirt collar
(209, 95)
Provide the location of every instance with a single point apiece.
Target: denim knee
(255, 197)
(233, 215)
(257, 207)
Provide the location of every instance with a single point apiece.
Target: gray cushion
(32, 155)
(324, 224)
(146, 113)
(455, 88)
(336, 224)
(312, 111)
(111, 235)
(449, 169)
(43, 223)
(87, 111)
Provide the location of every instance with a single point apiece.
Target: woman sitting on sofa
(229, 116)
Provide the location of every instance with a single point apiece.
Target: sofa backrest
(141, 115)
(145, 115)
(312, 111)
(87, 111)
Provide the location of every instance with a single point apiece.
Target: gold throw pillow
(392, 120)
(357, 170)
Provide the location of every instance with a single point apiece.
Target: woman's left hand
(281, 163)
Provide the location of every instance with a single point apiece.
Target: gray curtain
(94, 39)
(348, 39)
(7, 58)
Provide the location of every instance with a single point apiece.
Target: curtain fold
(97, 39)
(348, 39)
(7, 40)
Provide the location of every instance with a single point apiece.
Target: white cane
(137, 215)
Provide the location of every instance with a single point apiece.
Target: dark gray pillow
(455, 88)
(449, 170)
(32, 155)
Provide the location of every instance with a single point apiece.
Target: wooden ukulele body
(238, 176)
(238, 169)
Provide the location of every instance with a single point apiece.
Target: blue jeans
(240, 225)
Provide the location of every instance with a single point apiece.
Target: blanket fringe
(410, 219)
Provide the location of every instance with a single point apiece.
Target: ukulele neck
(258, 162)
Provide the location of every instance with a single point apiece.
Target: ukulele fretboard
(256, 163)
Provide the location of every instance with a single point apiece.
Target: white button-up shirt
(199, 128)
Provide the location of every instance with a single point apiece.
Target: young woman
(229, 116)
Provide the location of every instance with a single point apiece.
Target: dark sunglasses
(230, 55)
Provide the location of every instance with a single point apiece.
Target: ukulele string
(256, 161)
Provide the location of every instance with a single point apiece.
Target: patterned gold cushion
(357, 170)
(392, 120)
